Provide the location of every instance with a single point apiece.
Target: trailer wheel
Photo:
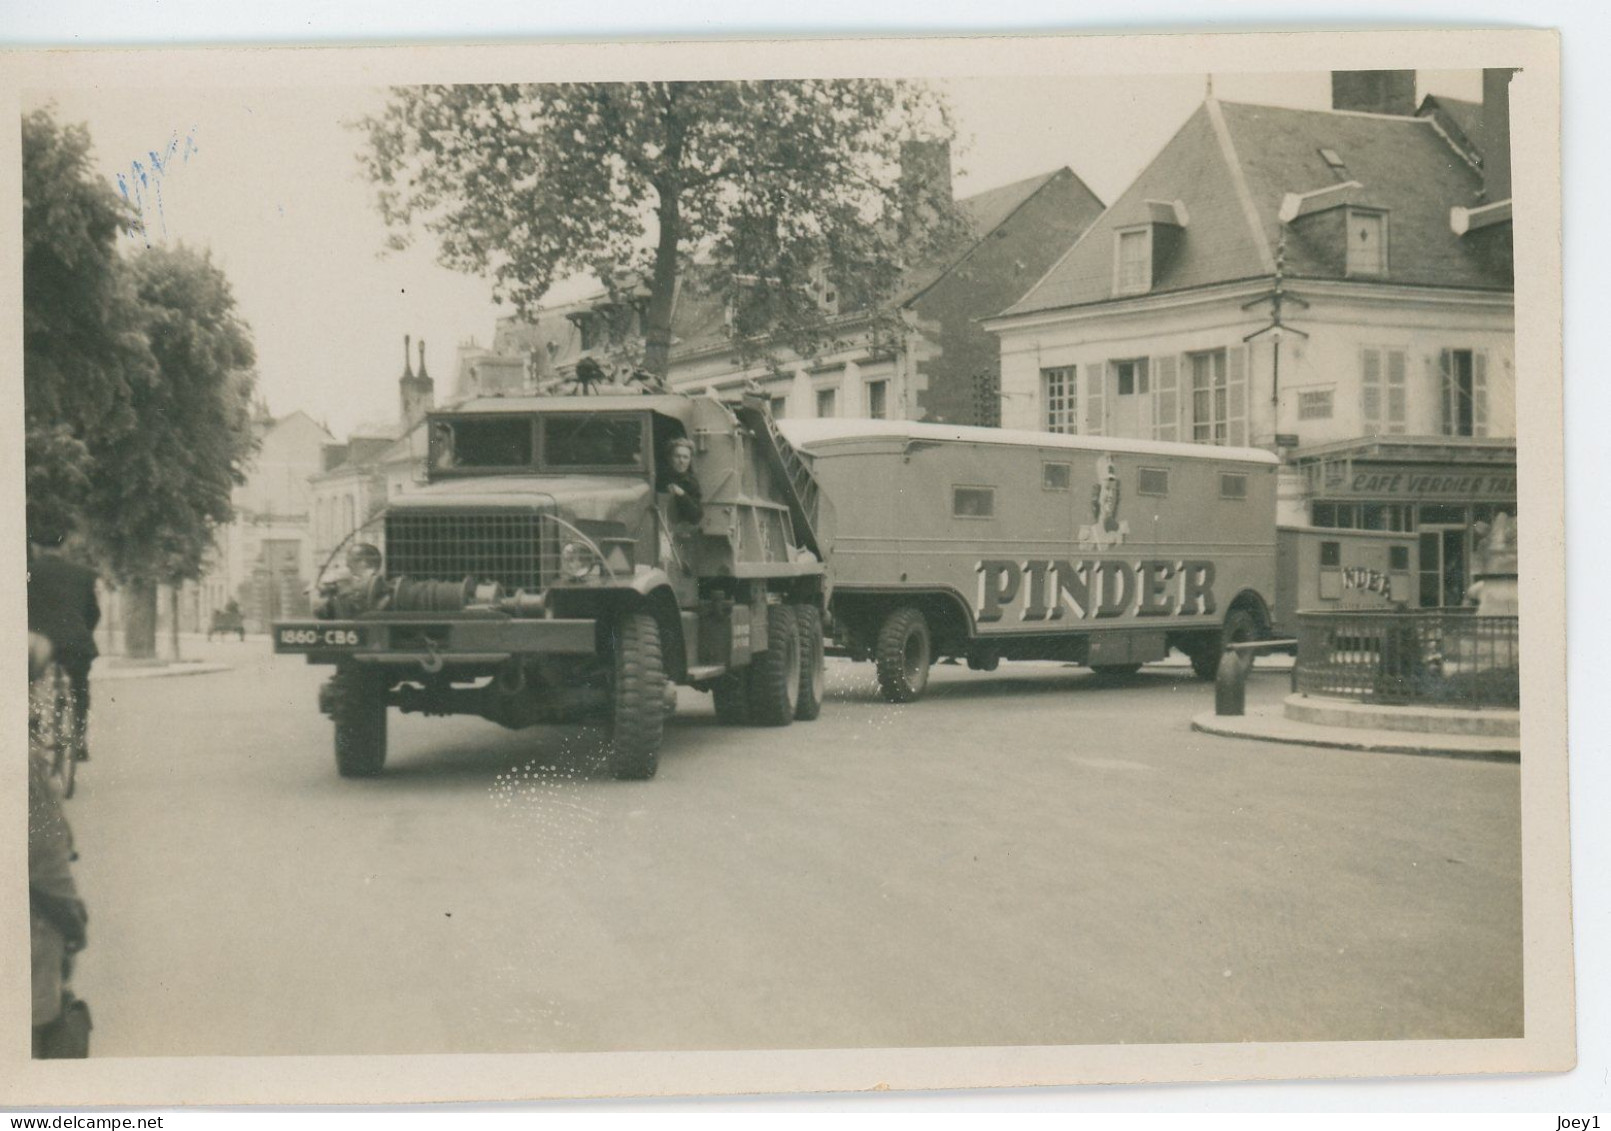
(639, 715)
(356, 703)
(813, 662)
(774, 675)
(1241, 627)
(903, 655)
(730, 695)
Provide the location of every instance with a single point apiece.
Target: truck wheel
(813, 662)
(730, 694)
(774, 675)
(357, 705)
(639, 717)
(1241, 627)
(903, 654)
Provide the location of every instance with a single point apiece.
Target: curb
(111, 673)
(1291, 733)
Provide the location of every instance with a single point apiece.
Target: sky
(268, 181)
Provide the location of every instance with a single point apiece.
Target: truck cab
(544, 574)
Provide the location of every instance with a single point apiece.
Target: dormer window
(1132, 272)
(1367, 242)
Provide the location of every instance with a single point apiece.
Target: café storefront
(1438, 488)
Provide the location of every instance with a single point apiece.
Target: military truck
(540, 575)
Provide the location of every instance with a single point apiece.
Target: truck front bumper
(435, 642)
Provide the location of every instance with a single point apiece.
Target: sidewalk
(1270, 724)
(198, 656)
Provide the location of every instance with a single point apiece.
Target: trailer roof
(814, 435)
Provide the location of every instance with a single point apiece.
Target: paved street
(1030, 857)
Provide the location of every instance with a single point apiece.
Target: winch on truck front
(552, 570)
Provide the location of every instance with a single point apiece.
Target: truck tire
(774, 675)
(903, 654)
(1241, 627)
(357, 704)
(638, 719)
(813, 662)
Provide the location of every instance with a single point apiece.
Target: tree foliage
(167, 483)
(765, 185)
(83, 342)
(136, 372)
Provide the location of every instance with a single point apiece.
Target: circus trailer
(985, 544)
(1321, 569)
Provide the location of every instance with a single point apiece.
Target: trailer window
(1330, 555)
(1398, 558)
(1153, 481)
(973, 502)
(1232, 486)
(1056, 476)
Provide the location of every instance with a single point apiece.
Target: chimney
(925, 184)
(416, 392)
(1374, 92)
(1496, 132)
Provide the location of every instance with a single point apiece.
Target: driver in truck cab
(687, 503)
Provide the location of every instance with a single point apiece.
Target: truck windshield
(613, 440)
(499, 441)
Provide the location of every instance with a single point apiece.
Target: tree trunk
(140, 620)
(663, 287)
(173, 619)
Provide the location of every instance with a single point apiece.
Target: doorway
(1445, 571)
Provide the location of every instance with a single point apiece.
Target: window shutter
(1479, 393)
(1095, 380)
(1370, 406)
(1166, 399)
(1236, 397)
(1396, 395)
(1449, 395)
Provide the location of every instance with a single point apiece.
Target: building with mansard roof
(1334, 285)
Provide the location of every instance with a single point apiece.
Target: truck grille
(515, 550)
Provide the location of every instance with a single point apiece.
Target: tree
(165, 485)
(770, 184)
(83, 344)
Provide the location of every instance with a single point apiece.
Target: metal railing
(1448, 657)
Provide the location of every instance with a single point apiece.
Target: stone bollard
(1230, 685)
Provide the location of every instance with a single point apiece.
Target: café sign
(1417, 481)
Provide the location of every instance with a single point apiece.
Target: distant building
(378, 462)
(1335, 285)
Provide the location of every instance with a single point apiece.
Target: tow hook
(433, 663)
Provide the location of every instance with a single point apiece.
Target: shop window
(1384, 516)
(973, 502)
(1153, 481)
(1057, 395)
(1439, 514)
(1232, 486)
(1056, 476)
(1315, 404)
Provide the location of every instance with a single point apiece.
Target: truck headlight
(577, 560)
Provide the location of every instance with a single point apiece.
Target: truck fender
(647, 581)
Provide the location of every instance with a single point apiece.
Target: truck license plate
(299, 639)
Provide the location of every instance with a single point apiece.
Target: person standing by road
(56, 917)
(62, 607)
